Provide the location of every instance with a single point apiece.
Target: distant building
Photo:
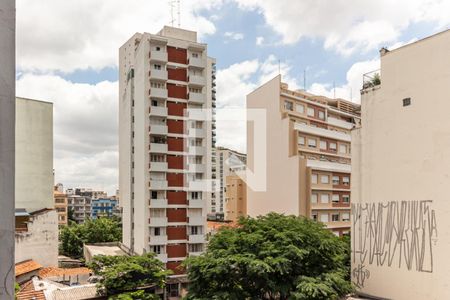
(103, 207)
(61, 206)
(36, 235)
(79, 207)
(235, 198)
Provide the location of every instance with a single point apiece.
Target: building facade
(400, 178)
(80, 207)
(308, 155)
(61, 206)
(235, 198)
(166, 92)
(103, 207)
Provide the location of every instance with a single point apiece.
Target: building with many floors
(235, 198)
(308, 155)
(103, 207)
(401, 175)
(61, 206)
(166, 101)
(79, 207)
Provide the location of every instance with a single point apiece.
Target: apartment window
(333, 146)
(335, 217)
(324, 198)
(310, 112)
(325, 179)
(154, 195)
(321, 115)
(157, 249)
(157, 231)
(406, 101)
(323, 145)
(345, 217)
(195, 247)
(195, 55)
(313, 198)
(346, 198)
(195, 230)
(288, 105)
(324, 218)
(314, 178)
(342, 148)
(300, 108)
(314, 217)
(301, 140)
(157, 67)
(312, 143)
(158, 48)
(335, 198)
(335, 180)
(346, 180)
(195, 195)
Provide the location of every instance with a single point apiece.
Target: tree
(271, 257)
(100, 230)
(129, 277)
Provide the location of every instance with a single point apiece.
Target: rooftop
(26, 266)
(54, 271)
(105, 249)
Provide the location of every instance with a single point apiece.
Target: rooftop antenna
(179, 14)
(279, 67)
(175, 4)
(334, 90)
(304, 79)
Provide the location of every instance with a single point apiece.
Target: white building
(164, 151)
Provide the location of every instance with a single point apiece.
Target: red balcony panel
(179, 74)
(176, 250)
(175, 126)
(176, 109)
(174, 179)
(176, 197)
(176, 267)
(175, 144)
(176, 91)
(176, 233)
(175, 162)
(177, 55)
(175, 215)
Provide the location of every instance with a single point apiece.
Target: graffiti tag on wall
(397, 234)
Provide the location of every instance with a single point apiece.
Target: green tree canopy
(100, 230)
(123, 276)
(271, 257)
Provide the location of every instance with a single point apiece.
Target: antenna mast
(179, 14)
(175, 4)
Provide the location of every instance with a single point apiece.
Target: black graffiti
(360, 274)
(395, 234)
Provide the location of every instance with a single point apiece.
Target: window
(406, 101)
(154, 195)
(310, 112)
(324, 198)
(157, 249)
(314, 217)
(312, 143)
(157, 67)
(346, 180)
(301, 140)
(300, 108)
(335, 217)
(335, 180)
(342, 148)
(157, 231)
(335, 198)
(288, 105)
(158, 48)
(345, 217)
(325, 179)
(346, 198)
(333, 146)
(321, 115)
(194, 230)
(323, 145)
(313, 198)
(314, 178)
(195, 55)
(324, 218)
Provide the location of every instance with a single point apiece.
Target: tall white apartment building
(166, 88)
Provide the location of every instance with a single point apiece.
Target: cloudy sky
(67, 53)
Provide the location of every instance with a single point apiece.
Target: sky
(67, 53)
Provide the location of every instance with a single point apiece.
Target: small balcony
(196, 238)
(197, 132)
(196, 150)
(158, 221)
(158, 74)
(197, 62)
(158, 239)
(158, 184)
(198, 185)
(198, 203)
(162, 257)
(158, 148)
(158, 93)
(158, 56)
(159, 111)
(158, 166)
(197, 98)
(196, 168)
(195, 80)
(158, 129)
(158, 203)
(197, 221)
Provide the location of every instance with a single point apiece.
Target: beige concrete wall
(236, 198)
(400, 224)
(34, 154)
(282, 193)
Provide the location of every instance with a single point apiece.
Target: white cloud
(85, 128)
(234, 35)
(80, 34)
(259, 40)
(348, 26)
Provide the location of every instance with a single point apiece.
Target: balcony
(158, 93)
(158, 203)
(158, 239)
(158, 166)
(197, 98)
(158, 74)
(158, 221)
(160, 111)
(322, 132)
(197, 132)
(158, 184)
(158, 56)
(197, 62)
(196, 150)
(197, 203)
(198, 185)
(339, 123)
(195, 253)
(158, 129)
(158, 148)
(196, 168)
(196, 238)
(162, 257)
(196, 221)
(196, 80)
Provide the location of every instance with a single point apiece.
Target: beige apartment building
(235, 198)
(61, 207)
(401, 175)
(166, 124)
(308, 155)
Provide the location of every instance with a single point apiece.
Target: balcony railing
(371, 79)
(158, 55)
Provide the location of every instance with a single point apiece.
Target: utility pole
(7, 146)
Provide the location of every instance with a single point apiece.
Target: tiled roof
(87, 291)
(27, 266)
(53, 271)
(30, 295)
